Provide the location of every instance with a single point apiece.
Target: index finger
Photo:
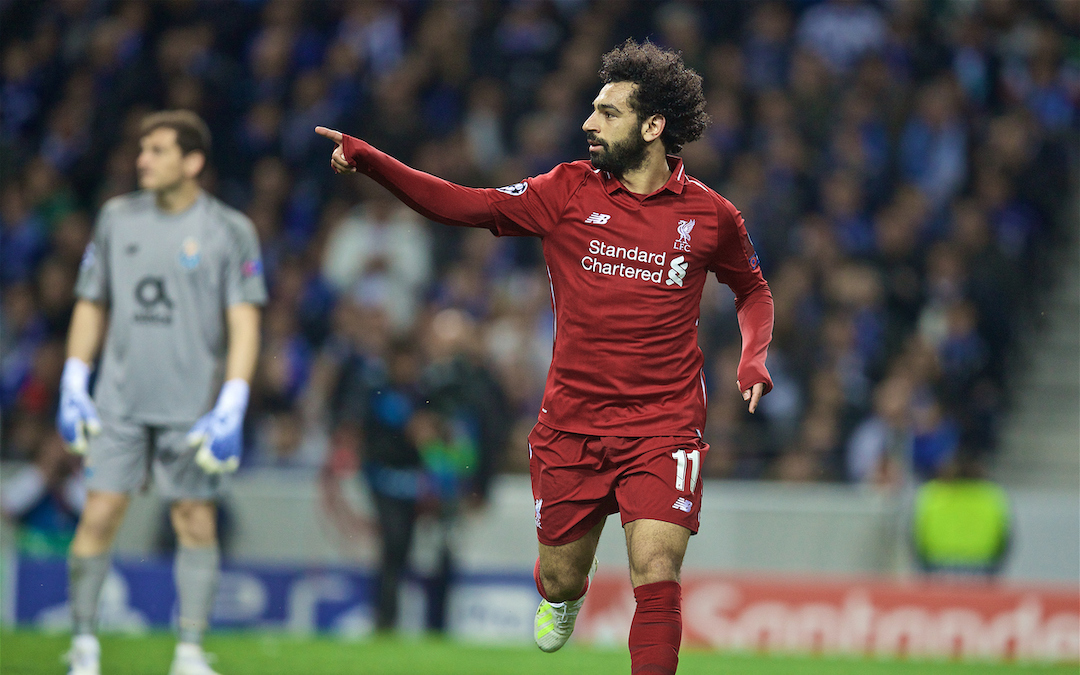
(335, 136)
(755, 395)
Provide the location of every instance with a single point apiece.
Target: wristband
(234, 395)
(76, 374)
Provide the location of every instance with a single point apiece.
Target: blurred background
(907, 170)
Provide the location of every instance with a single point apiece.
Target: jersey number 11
(681, 456)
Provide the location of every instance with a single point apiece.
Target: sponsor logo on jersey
(189, 254)
(683, 242)
(515, 189)
(598, 218)
(251, 268)
(539, 503)
(155, 305)
(683, 504)
(600, 251)
(677, 272)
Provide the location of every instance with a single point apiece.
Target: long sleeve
(532, 207)
(736, 264)
(430, 196)
(755, 313)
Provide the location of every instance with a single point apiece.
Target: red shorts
(578, 480)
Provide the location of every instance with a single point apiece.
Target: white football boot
(85, 656)
(190, 660)
(555, 620)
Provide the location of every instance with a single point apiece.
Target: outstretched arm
(430, 196)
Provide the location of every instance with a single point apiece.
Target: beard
(619, 157)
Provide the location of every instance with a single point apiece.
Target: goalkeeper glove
(218, 433)
(77, 417)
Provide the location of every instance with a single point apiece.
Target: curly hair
(665, 86)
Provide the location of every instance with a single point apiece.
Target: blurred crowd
(905, 168)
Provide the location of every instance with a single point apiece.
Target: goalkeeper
(176, 277)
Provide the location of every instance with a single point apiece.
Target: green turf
(31, 653)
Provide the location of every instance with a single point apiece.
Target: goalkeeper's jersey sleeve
(168, 280)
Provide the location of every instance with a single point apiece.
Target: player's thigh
(572, 483)
(176, 475)
(655, 550)
(570, 562)
(660, 479)
(118, 458)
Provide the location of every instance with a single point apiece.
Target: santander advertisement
(965, 619)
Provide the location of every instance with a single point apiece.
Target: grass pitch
(32, 653)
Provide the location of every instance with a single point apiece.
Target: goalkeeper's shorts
(127, 455)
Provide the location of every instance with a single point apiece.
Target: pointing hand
(338, 162)
(753, 395)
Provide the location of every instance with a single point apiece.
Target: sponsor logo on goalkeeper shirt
(155, 305)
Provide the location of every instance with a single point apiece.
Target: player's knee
(649, 570)
(194, 522)
(562, 582)
(97, 530)
(562, 588)
(100, 519)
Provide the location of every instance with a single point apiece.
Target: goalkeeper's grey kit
(168, 280)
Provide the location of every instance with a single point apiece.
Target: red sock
(540, 585)
(656, 632)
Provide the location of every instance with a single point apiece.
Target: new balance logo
(683, 504)
(677, 273)
(540, 503)
(598, 218)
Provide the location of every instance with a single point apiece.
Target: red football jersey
(626, 275)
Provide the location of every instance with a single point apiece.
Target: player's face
(614, 131)
(161, 164)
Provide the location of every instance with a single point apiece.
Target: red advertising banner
(965, 620)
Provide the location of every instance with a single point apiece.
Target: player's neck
(652, 175)
(178, 198)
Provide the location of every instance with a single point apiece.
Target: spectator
(842, 31)
(380, 250)
(933, 147)
(880, 449)
(43, 500)
(378, 402)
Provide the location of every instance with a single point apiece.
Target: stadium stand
(904, 169)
